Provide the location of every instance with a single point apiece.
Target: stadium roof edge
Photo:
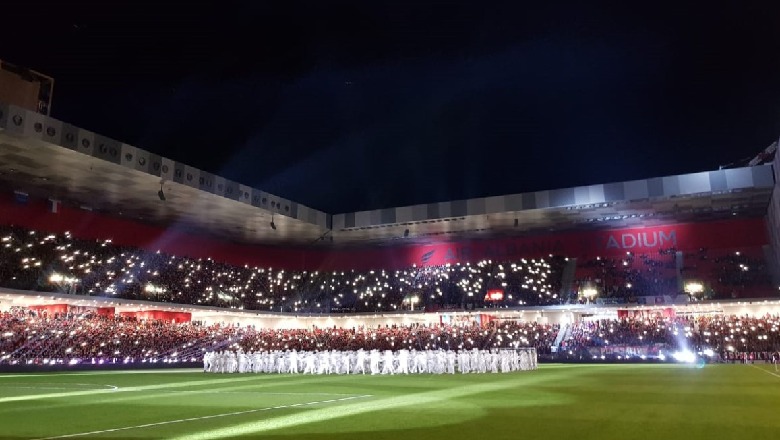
(692, 184)
(38, 127)
(56, 159)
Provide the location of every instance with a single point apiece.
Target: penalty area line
(214, 416)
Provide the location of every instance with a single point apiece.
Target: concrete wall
(773, 225)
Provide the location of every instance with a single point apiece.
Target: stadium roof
(47, 158)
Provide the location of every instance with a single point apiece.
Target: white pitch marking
(765, 371)
(125, 389)
(260, 384)
(251, 393)
(193, 419)
(255, 428)
(46, 386)
(34, 388)
(122, 372)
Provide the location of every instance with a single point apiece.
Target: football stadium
(141, 297)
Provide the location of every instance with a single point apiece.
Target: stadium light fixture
(694, 288)
(684, 356)
(589, 292)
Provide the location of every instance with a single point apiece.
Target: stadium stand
(30, 260)
(37, 261)
(728, 337)
(224, 246)
(28, 337)
(734, 273)
(645, 274)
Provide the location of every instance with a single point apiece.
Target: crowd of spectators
(632, 275)
(720, 273)
(416, 336)
(28, 337)
(730, 336)
(615, 332)
(31, 260)
(730, 273)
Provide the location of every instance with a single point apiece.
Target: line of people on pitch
(371, 362)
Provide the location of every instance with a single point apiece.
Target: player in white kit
(387, 362)
(293, 362)
(403, 362)
(360, 364)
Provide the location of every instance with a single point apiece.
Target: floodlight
(589, 292)
(694, 287)
(685, 356)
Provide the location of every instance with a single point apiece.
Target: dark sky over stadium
(347, 106)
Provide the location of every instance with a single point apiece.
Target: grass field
(601, 402)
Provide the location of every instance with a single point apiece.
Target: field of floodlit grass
(600, 402)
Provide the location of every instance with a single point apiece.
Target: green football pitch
(601, 402)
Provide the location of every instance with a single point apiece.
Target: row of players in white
(355, 362)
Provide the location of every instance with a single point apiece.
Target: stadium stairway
(568, 277)
(38, 348)
(490, 339)
(562, 335)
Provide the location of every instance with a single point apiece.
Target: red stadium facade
(732, 235)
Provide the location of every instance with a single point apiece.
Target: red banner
(494, 295)
(50, 309)
(667, 312)
(100, 311)
(160, 315)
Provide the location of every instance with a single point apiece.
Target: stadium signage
(657, 239)
(494, 295)
(616, 240)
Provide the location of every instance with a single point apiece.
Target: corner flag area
(558, 401)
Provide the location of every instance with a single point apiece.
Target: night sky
(346, 106)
